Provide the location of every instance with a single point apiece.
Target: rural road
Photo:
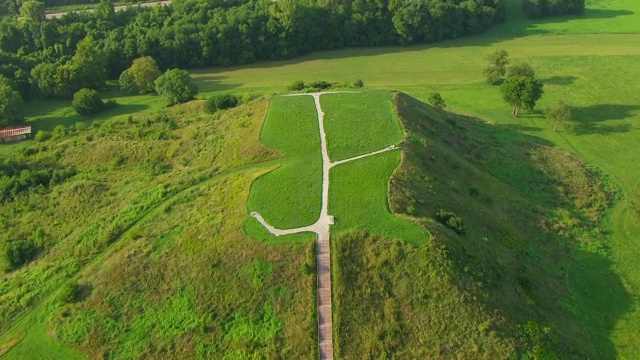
(321, 228)
(117, 8)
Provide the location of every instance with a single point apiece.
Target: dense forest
(59, 56)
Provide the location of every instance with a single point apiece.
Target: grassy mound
(139, 244)
(291, 196)
(516, 261)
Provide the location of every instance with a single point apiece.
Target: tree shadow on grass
(208, 82)
(69, 117)
(594, 119)
(560, 80)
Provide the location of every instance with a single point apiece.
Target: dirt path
(321, 228)
(116, 8)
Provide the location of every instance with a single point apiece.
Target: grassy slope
(359, 123)
(531, 213)
(588, 61)
(290, 196)
(133, 186)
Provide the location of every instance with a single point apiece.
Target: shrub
(87, 102)
(452, 221)
(246, 98)
(14, 254)
(68, 292)
(219, 102)
(437, 101)
(319, 85)
(358, 83)
(42, 135)
(297, 85)
(59, 132)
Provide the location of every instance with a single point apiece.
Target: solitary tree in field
(177, 86)
(558, 114)
(498, 61)
(145, 71)
(11, 106)
(521, 69)
(522, 92)
(437, 101)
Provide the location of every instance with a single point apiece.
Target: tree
(521, 69)
(498, 61)
(522, 91)
(145, 71)
(177, 86)
(127, 82)
(87, 102)
(104, 10)
(11, 106)
(437, 101)
(33, 10)
(90, 64)
(558, 114)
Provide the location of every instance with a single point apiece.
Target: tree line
(194, 33)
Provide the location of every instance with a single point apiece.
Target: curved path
(321, 228)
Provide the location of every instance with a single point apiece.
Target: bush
(452, 221)
(297, 85)
(42, 135)
(68, 292)
(322, 85)
(219, 102)
(59, 132)
(437, 101)
(87, 102)
(127, 82)
(358, 83)
(14, 254)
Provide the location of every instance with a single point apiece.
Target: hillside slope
(138, 249)
(517, 263)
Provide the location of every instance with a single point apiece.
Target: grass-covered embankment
(140, 251)
(517, 255)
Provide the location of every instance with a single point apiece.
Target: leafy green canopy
(176, 86)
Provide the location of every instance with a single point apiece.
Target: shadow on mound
(533, 252)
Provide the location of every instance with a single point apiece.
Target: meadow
(290, 196)
(368, 114)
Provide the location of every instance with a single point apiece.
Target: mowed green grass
(358, 199)
(590, 62)
(359, 123)
(291, 195)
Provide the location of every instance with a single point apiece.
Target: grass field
(589, 62)
(291, 196)
(358, 199)
(359, 123)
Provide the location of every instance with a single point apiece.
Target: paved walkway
(321, 228)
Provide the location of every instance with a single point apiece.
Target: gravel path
(321, 228)
(116, 8)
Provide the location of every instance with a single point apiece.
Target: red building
(15, 133)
